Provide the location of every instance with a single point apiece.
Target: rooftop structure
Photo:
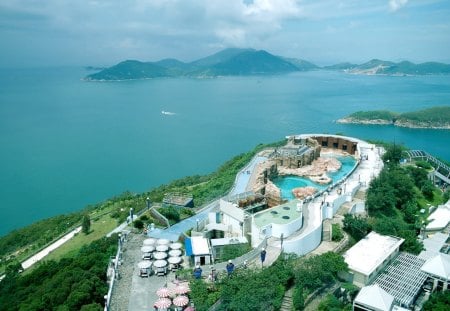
(438, 266)
(433, 245)
(374, 298)
(440, 218)
(178, 199)
(403, 278)
(370, 254)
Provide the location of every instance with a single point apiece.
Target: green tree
(393, 155)
(336, 232)
(298, 299)
(439, 301)
(86, 224)
(427, 190)
(356, 226)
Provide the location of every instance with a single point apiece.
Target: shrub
(138, 224)
(336, 232)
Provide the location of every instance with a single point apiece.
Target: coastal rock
(303, 192)
(323, 180)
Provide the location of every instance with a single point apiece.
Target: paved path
(35, 258)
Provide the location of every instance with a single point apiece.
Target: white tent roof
(366, 255)
(200, 245)
(433, 245)
(440, 218)
(438, 266)
(375, 298)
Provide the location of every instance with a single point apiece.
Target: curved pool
(287, 183)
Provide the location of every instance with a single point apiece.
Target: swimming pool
(287, 183)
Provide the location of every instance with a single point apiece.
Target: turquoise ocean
(66, 143)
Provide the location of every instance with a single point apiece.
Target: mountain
(130, 70)
(380, 67)
(228, 62)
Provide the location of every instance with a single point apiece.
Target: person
(263, 255)
(197, 272)
(230, 267)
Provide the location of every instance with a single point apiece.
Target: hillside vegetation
(435, 117)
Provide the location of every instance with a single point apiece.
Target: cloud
(395, 5)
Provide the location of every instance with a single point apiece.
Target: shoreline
(406, 124)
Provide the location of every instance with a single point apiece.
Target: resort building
(373, 298)
(285, 194)
(439, 219)
(438, 269)
(369, 256)
(198, 250)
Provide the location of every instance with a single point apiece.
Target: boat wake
(168, 113)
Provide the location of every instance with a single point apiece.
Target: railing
(114, 275)
(160, 216)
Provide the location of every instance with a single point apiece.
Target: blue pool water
(287, 183)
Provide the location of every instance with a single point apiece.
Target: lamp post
(148, 203)
(197, 220)
(131, 214)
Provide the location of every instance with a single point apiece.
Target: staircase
(286, 304)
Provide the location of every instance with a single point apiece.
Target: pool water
(287, 183)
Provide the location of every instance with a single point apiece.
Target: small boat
(168, 113)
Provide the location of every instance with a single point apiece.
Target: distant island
(433, 118)
(248, 62)
(381, 67)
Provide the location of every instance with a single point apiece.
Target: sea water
(66, 143)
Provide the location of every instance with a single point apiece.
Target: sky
(105, 32)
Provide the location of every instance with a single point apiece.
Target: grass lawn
(99, 229)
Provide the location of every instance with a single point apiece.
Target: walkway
(240, 183)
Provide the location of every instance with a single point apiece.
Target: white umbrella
(160, 255)
(181, 301)
(163, 292)
(176, 245)
(160, 263)
(162, 248)
(147, 249)
(162, 242)
(149, 241)
(144, 264)
(175, 253)
(163, 303)
(174, 260)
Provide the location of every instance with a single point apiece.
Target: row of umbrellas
(180, 300)
(160, 242)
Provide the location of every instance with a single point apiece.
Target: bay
(66, 143)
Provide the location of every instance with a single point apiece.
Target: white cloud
(395, 5)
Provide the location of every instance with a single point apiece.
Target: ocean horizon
(68, 143)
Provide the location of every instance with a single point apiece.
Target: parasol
(163, 303)
(159, 255)
(174, 260)
(149, 241)
(160, 263)
(162, 242)
(176, 245)
(181, 289)
(163, 292)
(144, 264)
(162, 248)
(181, 301)
(175, 253)
(147, 249)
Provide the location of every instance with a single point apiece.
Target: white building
(373, 298)
(438, 268)
(197, 248)
(367, 257)
(439, 219)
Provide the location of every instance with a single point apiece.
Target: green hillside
(229, 62)
(435, 117)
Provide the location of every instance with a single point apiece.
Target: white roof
(438, 266)
(228, 241)
(432, 245)
(375, 298)
(440, 218)
(199, 245)
(366, 255)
